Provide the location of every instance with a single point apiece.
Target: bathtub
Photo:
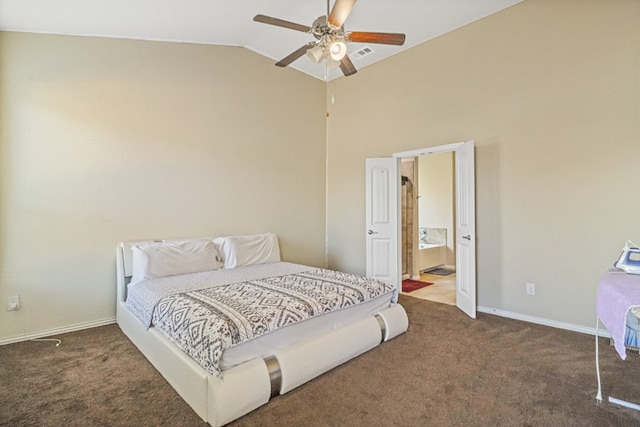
(431, 255)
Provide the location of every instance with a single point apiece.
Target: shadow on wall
(489, 228)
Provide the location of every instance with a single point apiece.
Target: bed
(249, 362)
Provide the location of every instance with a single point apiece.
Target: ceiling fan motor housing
(331, 41)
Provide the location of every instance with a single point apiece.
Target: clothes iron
(629, 260)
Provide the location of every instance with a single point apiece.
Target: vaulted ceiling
(230, 22)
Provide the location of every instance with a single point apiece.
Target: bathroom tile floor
(443, 289)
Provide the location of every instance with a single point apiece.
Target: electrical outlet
(13, 303)
(531, 288)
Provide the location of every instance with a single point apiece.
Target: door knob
(372, 232)
(467, 237)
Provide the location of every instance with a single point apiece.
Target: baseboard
(602, 332)
(489, 310)
(58, 331)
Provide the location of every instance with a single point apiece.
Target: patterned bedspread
(144, 296)
(204, 323)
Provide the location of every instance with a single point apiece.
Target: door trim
(430, 150)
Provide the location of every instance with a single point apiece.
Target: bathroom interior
(428, 218)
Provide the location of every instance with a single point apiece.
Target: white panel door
(465, 229)
(383, 220)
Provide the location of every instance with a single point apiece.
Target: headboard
(124, 262)
(124, 266)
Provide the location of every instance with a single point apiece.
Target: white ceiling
(229, 22)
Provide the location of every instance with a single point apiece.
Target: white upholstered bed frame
(245, 387)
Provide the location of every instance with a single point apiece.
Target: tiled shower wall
(407, 169)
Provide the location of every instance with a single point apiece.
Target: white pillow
(160, 259)
(248, 250)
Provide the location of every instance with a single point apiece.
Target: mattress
(143, 297)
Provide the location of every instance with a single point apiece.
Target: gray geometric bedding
(204, 323)
(143, 296)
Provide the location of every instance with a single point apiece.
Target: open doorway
(465, 219)
(383, 220)
(428, 227)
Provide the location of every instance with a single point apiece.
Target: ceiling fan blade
(340, 12)
(381, 38)
(347, 66)
(281, 23)
(294, 55)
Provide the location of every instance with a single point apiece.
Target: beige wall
(106, 140)
(550, 92)
(437, 197)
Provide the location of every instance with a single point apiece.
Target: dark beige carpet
(447, 370)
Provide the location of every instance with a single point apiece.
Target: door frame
(448, 148)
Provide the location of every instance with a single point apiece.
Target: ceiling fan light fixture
(338, 50)
(332, 63)
(316, 53)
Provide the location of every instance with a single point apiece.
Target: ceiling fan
(331, 38)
